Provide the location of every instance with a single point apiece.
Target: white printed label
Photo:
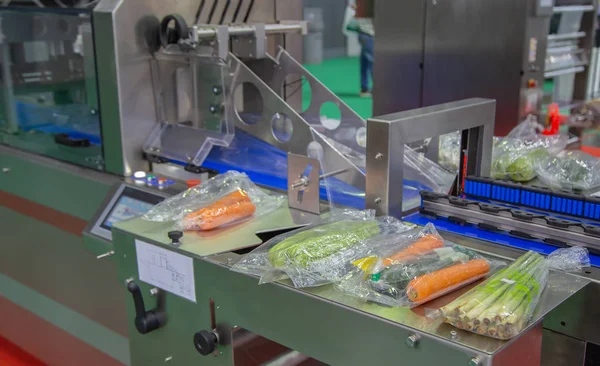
(166, 270)
(510, 282)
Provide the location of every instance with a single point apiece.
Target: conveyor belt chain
(524, 224)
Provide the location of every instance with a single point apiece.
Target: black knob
(205, 342)
(175, 236)
(145, 321)
(217, 89)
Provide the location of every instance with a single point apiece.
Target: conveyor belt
(519, 223)
(563, 201)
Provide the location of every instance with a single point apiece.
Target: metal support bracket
(387, 135)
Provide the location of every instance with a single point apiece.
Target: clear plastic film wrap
(415, 267)
(569, 170)
(425, 172)
(502, 306)
(223, 200)
(319, 254)
(514, 156)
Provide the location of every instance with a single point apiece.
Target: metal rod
(304, 180)
(572, 8)
(247, 30)
(335, 172)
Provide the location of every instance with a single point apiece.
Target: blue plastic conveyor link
(560, 201)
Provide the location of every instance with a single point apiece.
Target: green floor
(341, 76)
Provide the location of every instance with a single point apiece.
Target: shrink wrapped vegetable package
(502, 306)
(225, 199)
(514, 156)
(449, 151)
(569, 170)
(320, 253)
(414, 267)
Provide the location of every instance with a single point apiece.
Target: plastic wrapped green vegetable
(502, 306)
(515, 155)
(319, 254)
(320, 242)
(569, 170)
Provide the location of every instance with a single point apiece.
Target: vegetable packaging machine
(187, 90)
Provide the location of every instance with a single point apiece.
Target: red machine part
(552, 120)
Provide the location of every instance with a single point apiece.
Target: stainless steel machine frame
(387, 135)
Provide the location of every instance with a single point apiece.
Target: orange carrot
(429, 284)
(232, 207)
(421, 246)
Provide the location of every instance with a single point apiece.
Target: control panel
(125, 201)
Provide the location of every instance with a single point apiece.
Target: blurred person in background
(358, 21)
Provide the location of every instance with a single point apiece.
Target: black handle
(145, 321)
(205, 342)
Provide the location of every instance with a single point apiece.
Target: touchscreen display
(126, 208)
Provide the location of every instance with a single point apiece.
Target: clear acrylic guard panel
(50, 86)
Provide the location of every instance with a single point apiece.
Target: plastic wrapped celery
(569, 170)
(225, 199)
(502, 306)
(514, 155)
(414, 267)
(318, 254)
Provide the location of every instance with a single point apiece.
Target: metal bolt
(5, 170)
(168, 359)
(377, 200)
(412, 340)
(475, 361)
(107, 254)
(218, 307)
(378, 156)
(153, 291)
(453, 334)
(128, 280)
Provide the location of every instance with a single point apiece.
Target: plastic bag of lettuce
(569, 170)
(515, 155)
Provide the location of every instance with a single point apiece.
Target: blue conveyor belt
(497, 238)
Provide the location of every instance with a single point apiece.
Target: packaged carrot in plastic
(415, 267)
(223, 200)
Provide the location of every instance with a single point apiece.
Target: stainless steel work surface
(227, 239)
(560, 287)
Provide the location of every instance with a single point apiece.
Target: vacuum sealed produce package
(514, 155)
(449, 151)
(320, 253)
(225, 199)
(569, 170)
(412, 268)
(502, 306)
